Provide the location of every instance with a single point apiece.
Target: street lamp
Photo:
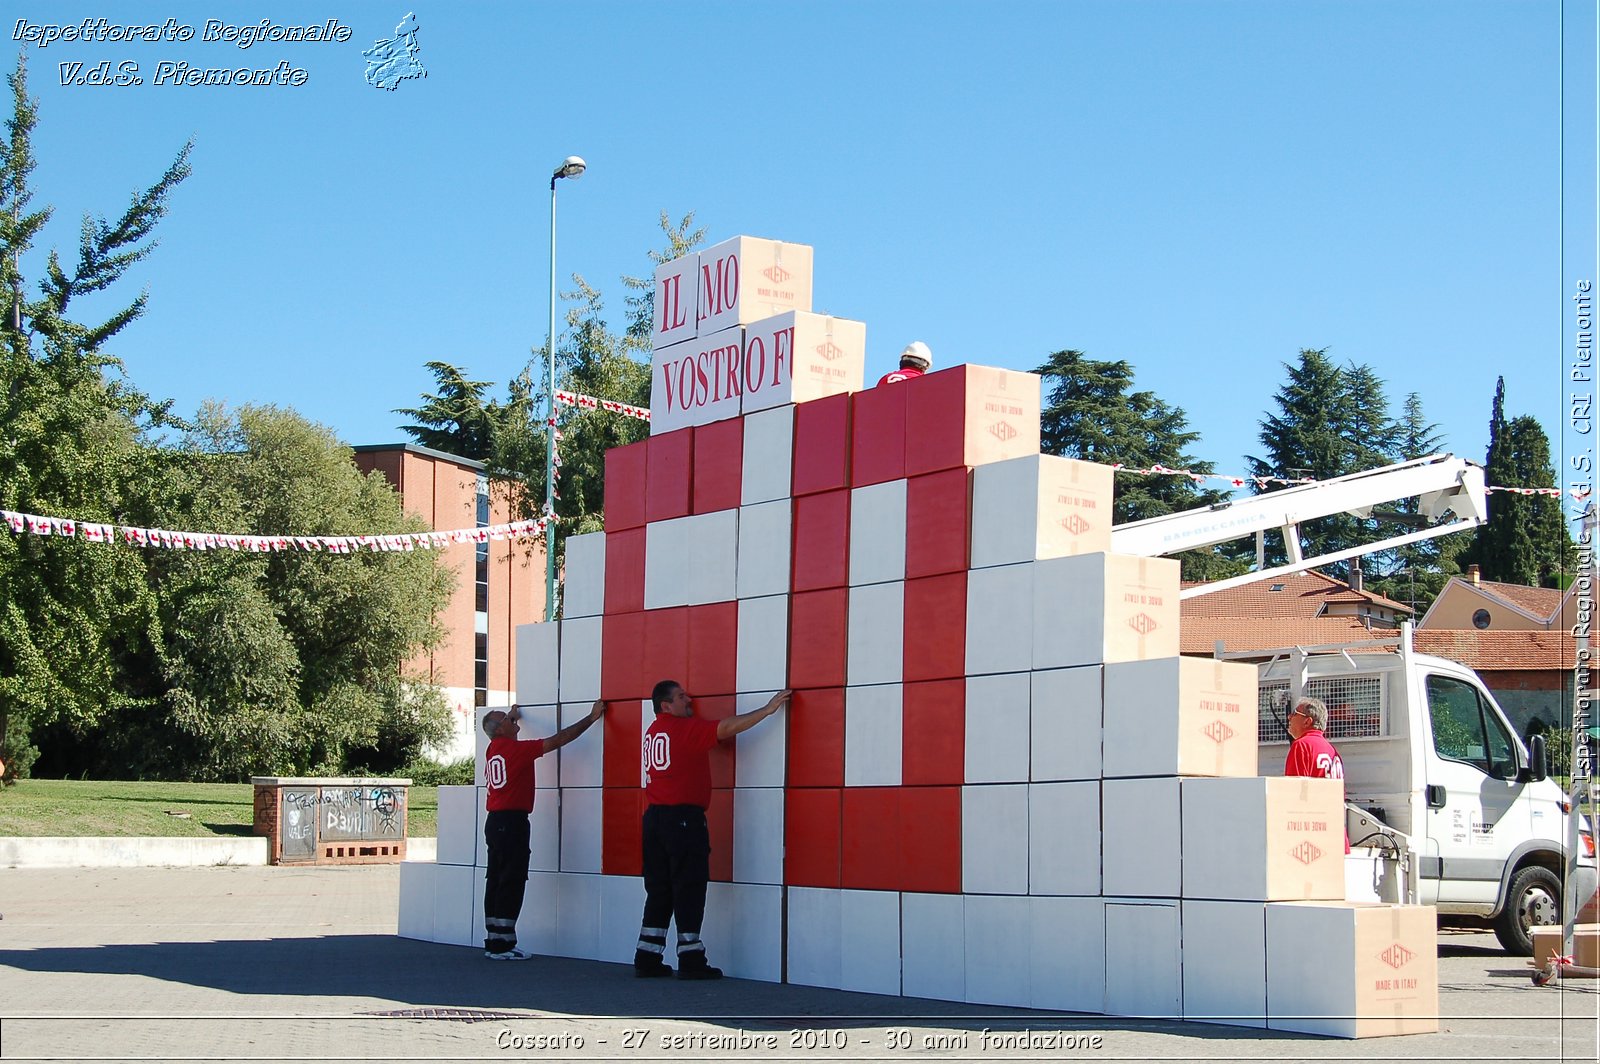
(571, 167)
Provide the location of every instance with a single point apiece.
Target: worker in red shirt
(508, 768)
(1311, 754)
(677, 845)
(915, 360)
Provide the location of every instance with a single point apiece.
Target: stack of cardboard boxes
(997, 782)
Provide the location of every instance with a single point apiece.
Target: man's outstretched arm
(572, 731)
(728, 727)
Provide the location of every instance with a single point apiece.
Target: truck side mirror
(1539, 762)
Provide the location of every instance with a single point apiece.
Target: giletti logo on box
(1396, 956)
(776, 273)
(1143, 623)
(1002, 431)
(1306, 852)
(829, 350)
(1074, 524)
(1218, 732)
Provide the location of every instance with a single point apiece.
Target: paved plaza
(230, 963)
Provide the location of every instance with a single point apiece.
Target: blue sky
(1200, 188)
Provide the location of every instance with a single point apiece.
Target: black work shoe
(658, 970)
(701, 970)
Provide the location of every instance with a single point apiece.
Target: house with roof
(1299, 609)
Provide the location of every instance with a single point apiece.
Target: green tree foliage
(1525, 540)
(1417, 572)
(1090, 412)
(455, 419)
(73, 612)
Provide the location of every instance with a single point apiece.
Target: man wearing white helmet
(914, 362)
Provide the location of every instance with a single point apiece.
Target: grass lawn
(110, 808)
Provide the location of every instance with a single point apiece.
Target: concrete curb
(70, 852)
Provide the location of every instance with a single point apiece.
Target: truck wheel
(1534, 899)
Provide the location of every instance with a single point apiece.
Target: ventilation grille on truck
(1355, 707)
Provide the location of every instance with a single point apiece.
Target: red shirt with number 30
(676, 768)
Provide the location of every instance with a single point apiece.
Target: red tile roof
(1512, 651)
(1199, 635)
(1542, 602)
(1303, 595)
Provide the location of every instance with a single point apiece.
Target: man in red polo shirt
(508, 769)
(1311, 754)
(677, 845)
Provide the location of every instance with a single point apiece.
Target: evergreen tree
(455, 419)
(1525, 540)
(1091, 413)
(1417, 572)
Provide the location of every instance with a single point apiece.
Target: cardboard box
(878, 436)
(1225, 962)
(538, 662)
(743, 930)
(814, 943)
(581, 829)
(544, 832)
(869, 951)
(1547, 941)
(668, 557)
(1263, 839)
(763, 644)
(822, 445)
(933, 946)
(1352, 970)
(996, 948)
(621, 906)
(1141, 850)
(1064, 735)
(536, 925)
(1094, 609)
(580, 658)
(878, 533)
(935, 642)
(625, 550)
(622, 831)
(1064, 840)
(713, 557)
(697, 381)
(763, 750)
(1039, 506)
(625, 479)
(798, 356)
(764, 541)
(1066, 954)
(1000, 619)
(822, 541)
(758, 835)
(458, 826)
(578, 916)
(813, 826)
(997, 728)
(583, 583)
(1144, 958)
(677, 299)
(933, 733)
(583, 759)
(669, 474)
(970, 416)
(872, 721)
(457, 907)
(747, 278)
(768, 455)
(718, 465)
(875, 652)
(1180, 716)
(938, 525)
(418, 883)
(994, 838)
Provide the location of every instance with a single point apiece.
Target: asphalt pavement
(260, 964)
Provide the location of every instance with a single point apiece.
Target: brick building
(500, 584)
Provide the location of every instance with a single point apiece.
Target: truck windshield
(1465, 729)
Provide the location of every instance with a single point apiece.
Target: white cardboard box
(580, 659)
(878, 533)
(537, 923)
(798, 356)
(458, 824)
(765, 533)
(583, 584)
(1263, 839)
(933, 946)
(1352, 970)
(875, 634)
(869, 948)
(768, 456)
(544, 831)
(997, 724)
(538, 662)
(1067, 962)
(1064, 838)
(1064, 740)
(763, 644)
(1039, 506)
(457, 907)
(1000, 619)
(697, 381)
(999, 964)
(746, 278)
(578, 916)
(621, 912)
(872, 735)
(669, 547)
(1180, 717)
(1092, 609)
(994, 839)
(713, 558)
(1142, 837)
(762, 759)
(743, 930)
(1225, 962)
(1144, 958)
(582, 760)
(814, 929)
(677, 299)
(580, 829)
(418, 880)
(758, 834)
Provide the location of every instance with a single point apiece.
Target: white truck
(1435, 776)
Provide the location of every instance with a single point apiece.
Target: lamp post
(571, 167)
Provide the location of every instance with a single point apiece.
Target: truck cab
(1429, 755)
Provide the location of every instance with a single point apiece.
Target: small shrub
(425, 773)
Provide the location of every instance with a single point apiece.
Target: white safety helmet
(917, 351)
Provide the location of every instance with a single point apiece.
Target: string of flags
(92, 532)
(589, 402)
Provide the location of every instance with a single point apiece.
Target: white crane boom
(1441, 484)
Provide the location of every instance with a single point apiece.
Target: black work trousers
(677, 865)
(506, 832)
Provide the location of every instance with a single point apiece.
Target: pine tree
(1091, 413)
(1525, 540)
(455, 419)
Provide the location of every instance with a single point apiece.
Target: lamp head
(573, 166)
